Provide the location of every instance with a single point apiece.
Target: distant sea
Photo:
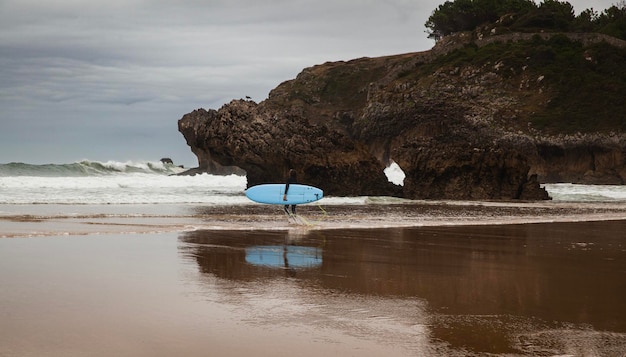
(112, 182)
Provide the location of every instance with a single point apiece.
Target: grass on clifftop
(587, 85)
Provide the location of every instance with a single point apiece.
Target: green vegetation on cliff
(524, 16)
(584, 85)
(554, 82)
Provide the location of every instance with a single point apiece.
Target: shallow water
(518, 290)
(32, 220)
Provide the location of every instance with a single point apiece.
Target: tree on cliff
(466, 15)
(612, 21)
(552, 15)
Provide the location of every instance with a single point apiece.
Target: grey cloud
(72, 66)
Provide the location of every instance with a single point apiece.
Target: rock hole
(395, 174)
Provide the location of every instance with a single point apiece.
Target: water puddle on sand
(516, 290)
(533, 289)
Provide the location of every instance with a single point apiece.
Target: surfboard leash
(309, 223)
(323, 210)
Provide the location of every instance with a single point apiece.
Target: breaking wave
(113, 182)
(87, 168)
(568, 192)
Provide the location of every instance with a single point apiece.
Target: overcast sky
(109, 79)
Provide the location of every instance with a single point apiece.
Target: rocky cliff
(465, 120)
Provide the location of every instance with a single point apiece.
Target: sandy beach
(462, 279)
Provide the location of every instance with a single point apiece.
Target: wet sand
(54, 220)
(241, 281)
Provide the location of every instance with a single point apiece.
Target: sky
(107, 80)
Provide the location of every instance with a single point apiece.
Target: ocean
(91, 197)
(129, 259)
(105, 183)
(99, 183)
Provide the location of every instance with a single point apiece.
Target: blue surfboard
(273, 194)
(284, 256)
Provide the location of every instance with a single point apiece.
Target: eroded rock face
(591, 159)
(267, 144)
(441, 159)
(457, 133)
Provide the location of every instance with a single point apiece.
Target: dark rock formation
(458, 131)
(598, 159)
(267, 145)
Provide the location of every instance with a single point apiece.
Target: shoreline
(69, 220)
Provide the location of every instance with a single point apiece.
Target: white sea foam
(131, 188)
(567, 192)
(89, 182)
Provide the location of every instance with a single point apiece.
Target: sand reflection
(513, 290)
(510, 289)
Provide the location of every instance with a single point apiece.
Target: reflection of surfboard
(286, 256)
(273, 194)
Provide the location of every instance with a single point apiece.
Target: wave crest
(88, 168)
